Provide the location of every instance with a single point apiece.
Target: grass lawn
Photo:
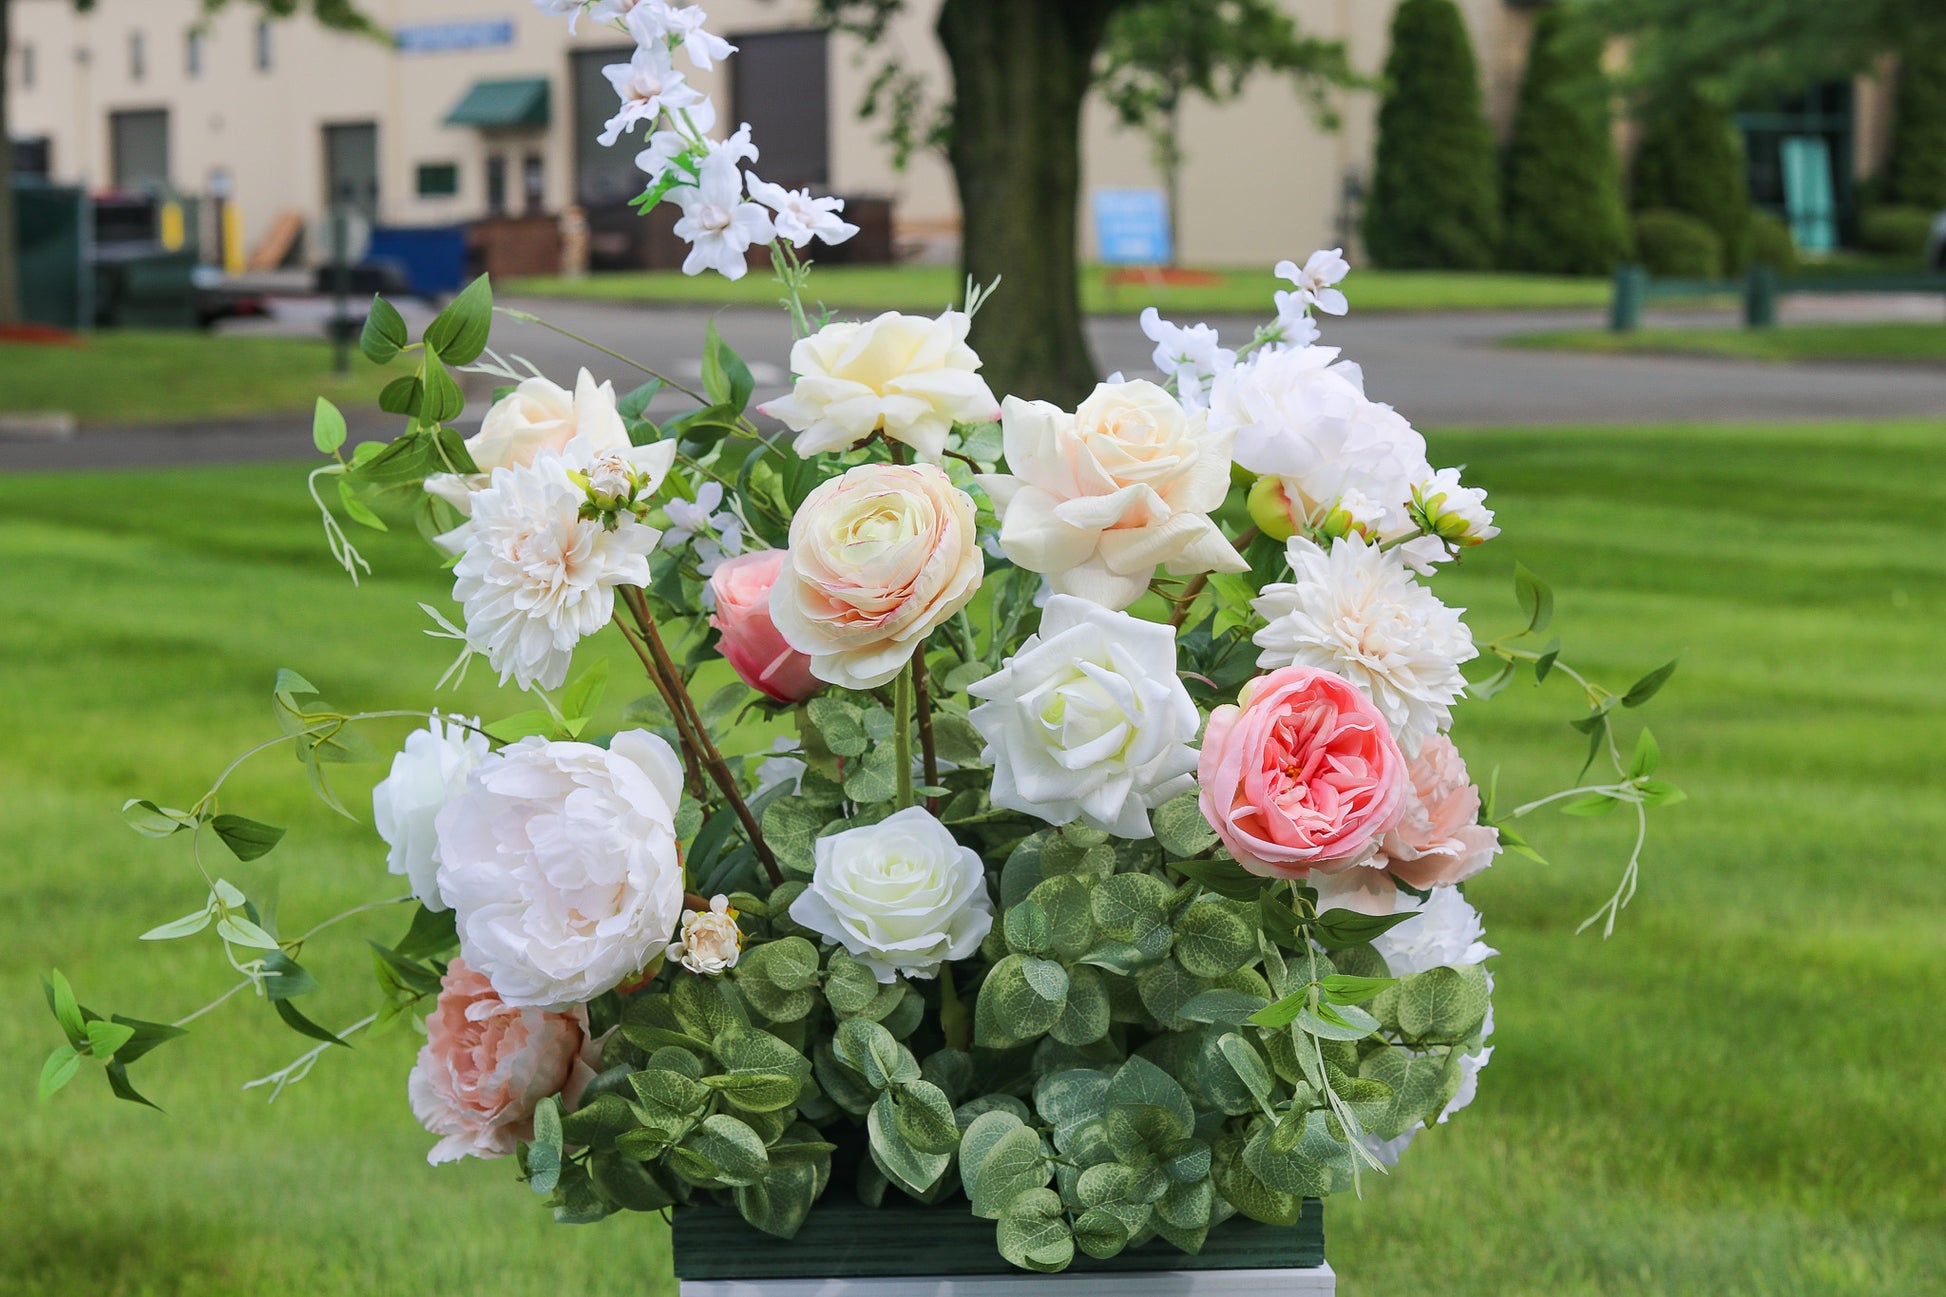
(169, 377)
(1234, 292)
(1738, 1094)
(1867, 342)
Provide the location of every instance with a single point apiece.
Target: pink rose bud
(1304, 775)
(751, 642)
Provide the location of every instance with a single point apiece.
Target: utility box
(52, 234)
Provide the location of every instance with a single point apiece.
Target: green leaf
(67, 1011)
(327, 427)
(356, 508)
(1443, 1003)
(1339, 1022)
(1342, 929)
(1545, 662)
(1298, 1156)
(459, 333)
(442, 401)
(876, 777)
(523, 725)
(433, 932)
(1224, 877)
(871, 1051)
(59, 1069)
(925, 1118)
(1034, 1232)
(1086, 1014)
(726, 379)
(152, 821)
(384, 335)
(1048, 979)
(1648, 755)
(1249, 1067)
(1493, 684)
(773, 1072)
(237, 930)
(1536, 599)
(634, 406)
(1010, 1011)
(1281, 1013)
(1000, 1159)
(910, 1168)
(732, 1149)
(246, 839)
(285, 978)
(303, 1026)
(849, 986)
(1649, 685)
(1342, 989)
(1656, 792)
(1226, 1008)
(546, 1153)
(583, 693)
(188, 925)
(789, 964)
(1027, 929)
(1212, 940)
(105, 1037)
(1181, 827)
(400, 396)
(1127, 906)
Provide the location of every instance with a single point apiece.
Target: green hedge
(1564, 213)
(1919, 128)
(1898, 230)
(1677, 245)
(1770, 244)
(1690, 159)
(1434, 203)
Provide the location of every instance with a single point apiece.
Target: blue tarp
(432, 256)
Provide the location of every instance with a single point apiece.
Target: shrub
(1677, 245)
(1899, 231)
(1690, 159)
(1918, 173)
(1433, 202)
(1564, 211)
(1771, 244)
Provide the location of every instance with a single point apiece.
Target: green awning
(502, 105)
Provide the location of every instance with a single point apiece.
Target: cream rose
(901, 895)
(877, 558)
(906, 376)
(711, 942)
(1098, 499)
(536, 416)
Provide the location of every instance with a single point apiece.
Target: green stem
(902, 733)
(527, 317)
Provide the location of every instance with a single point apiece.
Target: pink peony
(1301, 776)
(486, 1065)
(1437, 842)
(751, 641)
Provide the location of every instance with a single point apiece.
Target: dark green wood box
(848, 1240)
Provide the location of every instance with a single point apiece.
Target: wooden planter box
(850, 1250)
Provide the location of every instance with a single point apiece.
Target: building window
(263, 46)
(438, 179)
(26, 67)
(138, 62)
(533, 185)
(192, 54)
(496, 185)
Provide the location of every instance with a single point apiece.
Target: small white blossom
(719, 226)
(1295, 327)
(1356, 612)
(656, 22)
(711, 943)
(648, 85)
(1191, 356)
(801, 217)
(1315, 278)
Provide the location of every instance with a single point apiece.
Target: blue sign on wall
(1132, 227)
(466, 34)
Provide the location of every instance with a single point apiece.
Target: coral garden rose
(1098, 499)
(877, 559)
(560, 861)
(1089, 720)
(751, 642)
(1301, 776)
(427, 773)
(536, 416)
(906, 376)
(486, 1064)
(901, 895)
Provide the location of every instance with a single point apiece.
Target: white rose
(901, 895)
(904, 375)
(1089, 721)
(877, 559)
(1098, 499)
(711, 942)
(427, 773)
(561, 863)
(536, 416)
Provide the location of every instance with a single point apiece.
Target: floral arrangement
(1068, 832)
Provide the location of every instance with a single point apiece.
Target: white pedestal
(1318, 1282)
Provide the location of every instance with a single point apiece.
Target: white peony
(429, 771)
(537, 416)
(1356, 611)
(561, 862)
(901, 895)
(535, 577)
(1089, 721)
(906, 376)
(1098, 499)
(1297, 416)
(1444, 932)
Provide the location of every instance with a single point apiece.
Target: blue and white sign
(1132, 227)
(466, 34)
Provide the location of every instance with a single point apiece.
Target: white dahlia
(1355, 611)
(535, 577)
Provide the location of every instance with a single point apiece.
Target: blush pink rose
(1437, 842)
(486, 1065)
(756, 650)
(1302, 776)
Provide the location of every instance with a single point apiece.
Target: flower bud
(1270, 509)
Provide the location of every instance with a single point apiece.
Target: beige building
(490, 107)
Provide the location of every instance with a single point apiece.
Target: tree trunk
(9, 253)
(1021, 69)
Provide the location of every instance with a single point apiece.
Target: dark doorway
(138, 144)
(781, 86)
(351, 167)
(602, 177)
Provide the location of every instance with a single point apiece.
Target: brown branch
(1180, 613)
(922, 697)
(719, 770)
(692, 773)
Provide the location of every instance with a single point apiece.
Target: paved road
(1440, 370)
